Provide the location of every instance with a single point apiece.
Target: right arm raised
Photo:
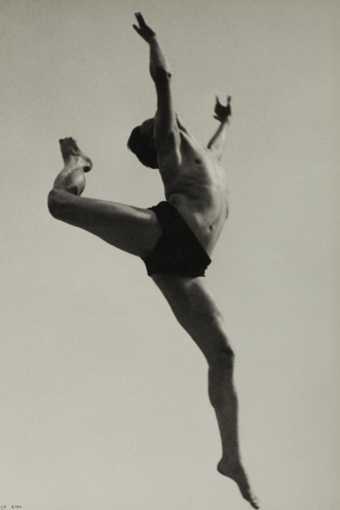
(165, 121)
(158, 65)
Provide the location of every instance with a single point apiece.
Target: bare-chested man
(176, 238)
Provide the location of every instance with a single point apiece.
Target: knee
(223, 359)
(52, 202)
(160, 75)
(56, 203)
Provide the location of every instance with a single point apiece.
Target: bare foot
(238, 474)
(73, 157)
(72, 176)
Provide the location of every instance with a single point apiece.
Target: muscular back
(195, 183)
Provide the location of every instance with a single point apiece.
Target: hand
(222, 113)
(143, 29)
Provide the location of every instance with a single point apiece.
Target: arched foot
(73, 157)
(238, 474)
(72, 176)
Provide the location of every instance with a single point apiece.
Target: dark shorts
(178, 251)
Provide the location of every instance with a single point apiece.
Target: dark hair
(141, 143)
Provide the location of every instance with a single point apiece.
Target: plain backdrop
(103, 397)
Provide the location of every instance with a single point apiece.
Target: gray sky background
(103, 396)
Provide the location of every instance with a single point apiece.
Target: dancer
(175, 238)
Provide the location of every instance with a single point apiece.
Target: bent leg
(128, 228)
(132, 229)
(197, 313)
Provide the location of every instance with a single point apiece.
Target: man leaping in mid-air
(176, 238)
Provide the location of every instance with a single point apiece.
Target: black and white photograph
(169, 267)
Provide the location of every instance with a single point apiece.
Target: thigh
(196, 311)
(132, 229)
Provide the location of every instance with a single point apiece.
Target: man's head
(141, 143)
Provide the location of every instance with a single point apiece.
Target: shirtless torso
(195, 183)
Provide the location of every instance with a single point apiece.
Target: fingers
(142, 28)
(140, 19)
(141, 22)
(137, 29)
(218, 102)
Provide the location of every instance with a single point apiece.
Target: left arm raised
(222, 114)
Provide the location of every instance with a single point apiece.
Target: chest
(192, 168)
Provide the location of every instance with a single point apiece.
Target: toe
(68, 147)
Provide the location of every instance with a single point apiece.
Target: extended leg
(198, 315)
(128, 228)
